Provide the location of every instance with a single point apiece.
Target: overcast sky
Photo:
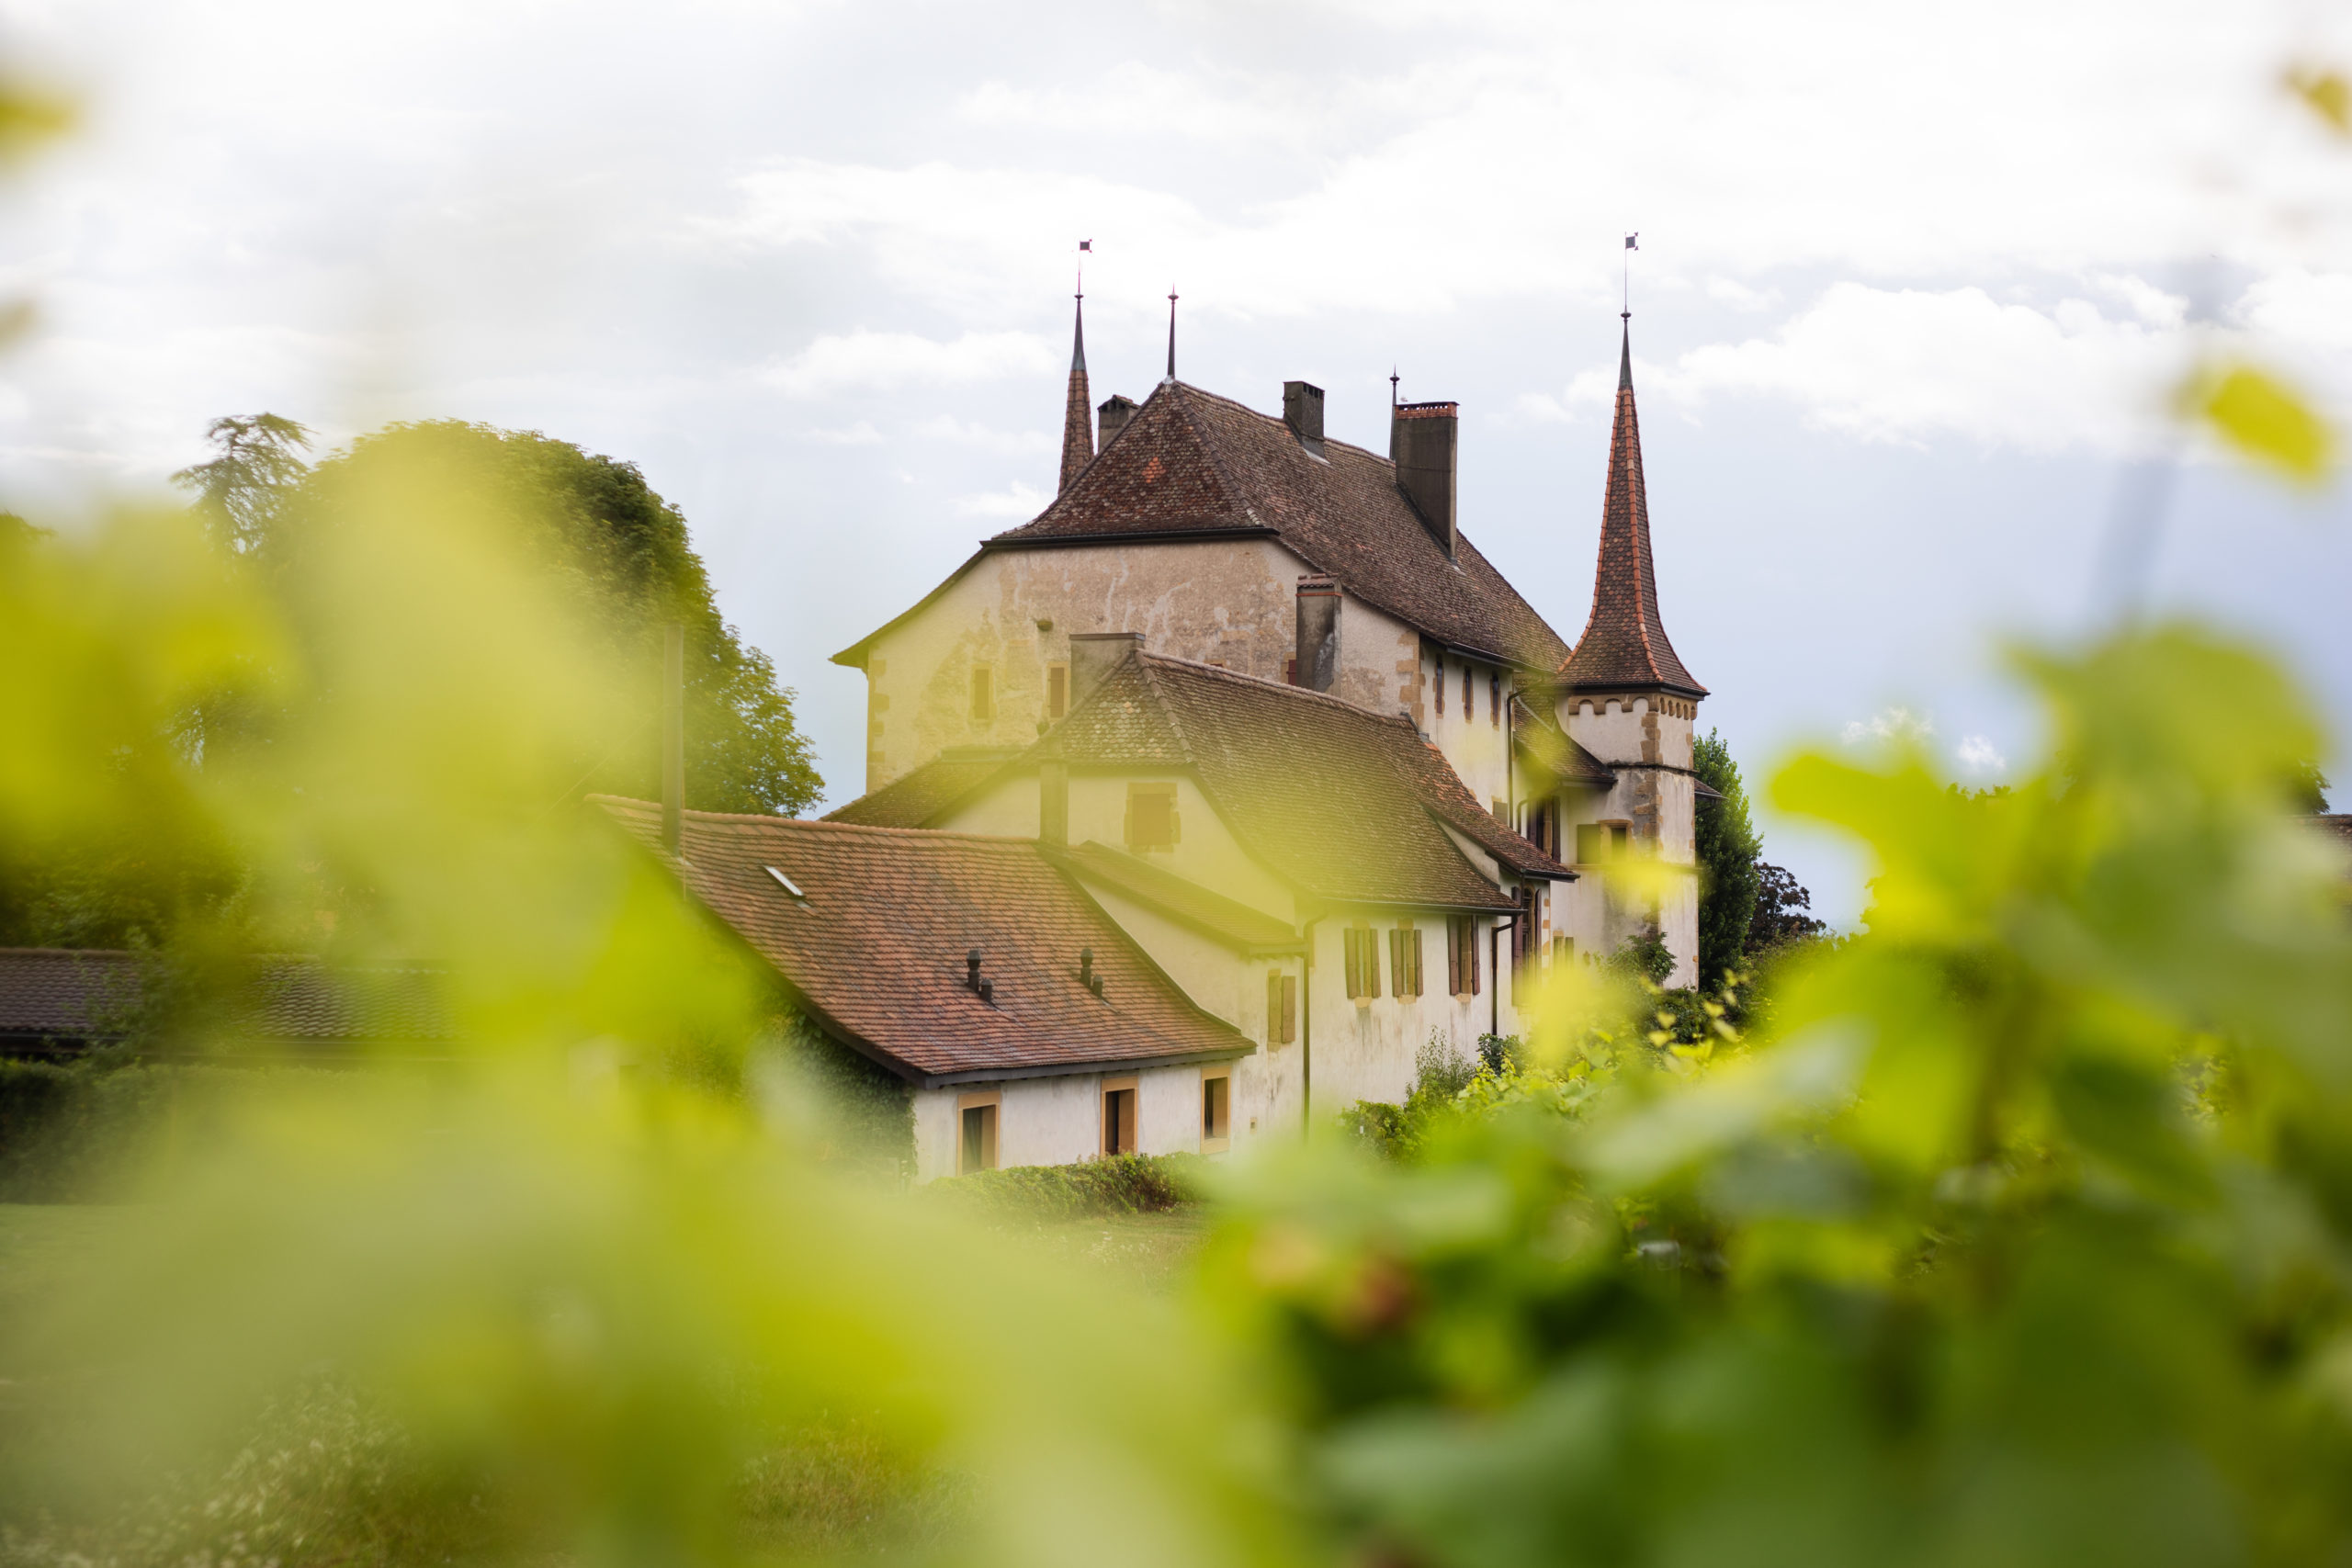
(1913, 283)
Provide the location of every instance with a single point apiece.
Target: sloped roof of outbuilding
(876, 949)
(1192, 465)
(910, 799)
(1342, 802)
(63, 997)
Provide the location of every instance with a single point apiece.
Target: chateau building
(1198, 803)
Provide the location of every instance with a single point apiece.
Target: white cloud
(985, 438)
(1890, 724)
(1978, 755)
(861, 434)
(880, 362)
(1017, 501)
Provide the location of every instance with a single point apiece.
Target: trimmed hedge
(1123, 1184)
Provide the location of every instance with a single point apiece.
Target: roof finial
(1077, 421)
(1171, 332)
(1626, 311)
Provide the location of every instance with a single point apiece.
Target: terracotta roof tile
(878, 947)
(1624, 644)
(74, 997)
(1190, 462)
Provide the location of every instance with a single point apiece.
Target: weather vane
(1627, 312)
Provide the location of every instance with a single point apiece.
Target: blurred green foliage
(2025, 1240)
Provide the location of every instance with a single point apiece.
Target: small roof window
(787, 883)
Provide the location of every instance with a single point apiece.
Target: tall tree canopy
(618, 559)
(1728, 845)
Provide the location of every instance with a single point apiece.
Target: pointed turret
(1077, 417)
(1624, 648)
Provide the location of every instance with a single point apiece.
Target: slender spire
(1077, 415)
(1171, 334)
(1624, 646)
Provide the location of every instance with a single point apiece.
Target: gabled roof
(876, 950)
(1624, 646)
(909, 800)
(1192, 465)
(1342, 802)
(1249, 932)
(61, 998)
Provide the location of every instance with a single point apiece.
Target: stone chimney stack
(1302, 411)
(1112, 416)
(1319, 633)
(1422, 436)
(1094, 655)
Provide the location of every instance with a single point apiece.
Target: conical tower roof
(1624, 646)
(1078, 415)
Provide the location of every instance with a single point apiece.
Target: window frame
(1213, 1141)
(1057, 691)
(1131, 1123)
(993, 1130)
(980, 694)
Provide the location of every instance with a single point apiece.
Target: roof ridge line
(822, 824)
(1168, 711)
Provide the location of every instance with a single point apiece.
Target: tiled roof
(1190, 462)
(1247, 931)
(1342, 803)
(877, 949)
(908, 800)
(1624, 644)
(1549, 746)
(2337, 825)
(69, 997)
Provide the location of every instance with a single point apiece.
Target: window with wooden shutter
(1404, 960)
(1362, 951)
(1462, 956)
(1290, 1010)
(1151, 816)
(1469, 695)
(983, 694)
(1453, 956)
(1057, 691)
(1495, 700)
(1440, 685)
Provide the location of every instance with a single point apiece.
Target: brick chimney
(1302, 411)
(1094, 655)
(1319, 633)
(1421, 437)
(1111, 418)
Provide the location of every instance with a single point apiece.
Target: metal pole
(673, 732)
(1306, 1036)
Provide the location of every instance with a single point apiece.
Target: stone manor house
(1195, 804)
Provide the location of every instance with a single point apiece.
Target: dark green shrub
(1122, 1184)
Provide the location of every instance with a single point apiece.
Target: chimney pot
(1094, 655)
(1302, 411)
(1111, 418)
(972, 969)
(1422, 438)
(1318, 663)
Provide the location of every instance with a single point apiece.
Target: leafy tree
(618, 560)
(241, 491)
(1642, 956)
(1783, 912)
(1729, 872)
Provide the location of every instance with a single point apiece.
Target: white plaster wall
(1058, 1120)
(1660, 804)
(936, 1132)
(1232, 602)
(1365, 1049)
(1475, 742)
(1207, 970)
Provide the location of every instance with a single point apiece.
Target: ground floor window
(1217, 1111)
(976, 1137)
(1119, 1116)
(1362, 951)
